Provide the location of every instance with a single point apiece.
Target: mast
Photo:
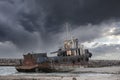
(68, 32)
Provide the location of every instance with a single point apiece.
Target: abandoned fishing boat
(70, 56)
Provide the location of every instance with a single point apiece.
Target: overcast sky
(39, 26)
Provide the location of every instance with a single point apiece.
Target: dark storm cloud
(12, 30)
(79, 12)
(26, 23)
(75, 12)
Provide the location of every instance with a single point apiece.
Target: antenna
(66, 25)
(68, 30)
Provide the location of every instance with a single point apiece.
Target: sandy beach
(103, 73)
(38, 77)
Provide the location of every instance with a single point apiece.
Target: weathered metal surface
(50, 64)
(69, 57)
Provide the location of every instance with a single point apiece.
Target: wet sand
(104, 73)
(107, 70)
(37, 77)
